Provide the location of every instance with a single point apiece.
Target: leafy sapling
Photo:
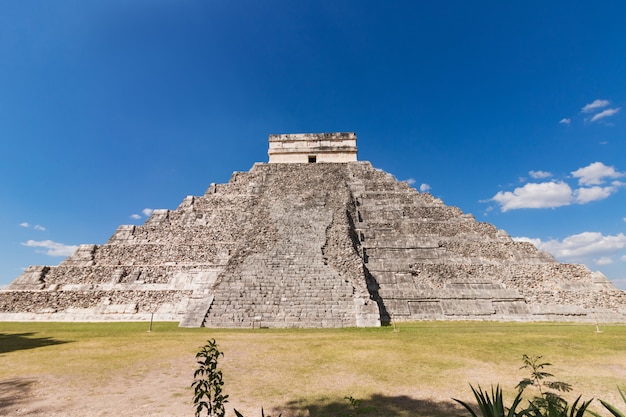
(208, 382)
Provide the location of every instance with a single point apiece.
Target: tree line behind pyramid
(314, 238)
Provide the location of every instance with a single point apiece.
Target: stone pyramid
(314, 238)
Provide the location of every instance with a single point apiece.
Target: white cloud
(579, 246)
(565, 121)
(594, 174)
(590, 248)
(146, 212)
(52, 248)
(410, 181)
(536, 242)
(592, 179)
(540, 174)
(597, 104)
(36, 227)
(535, 195)
(604, 260)
(605, 113)
(424, 188)
(587, 195)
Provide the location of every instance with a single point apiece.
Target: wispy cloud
(595, 105)
(36, 227)
(146, 212)
(592, 181)
(538, 175)
(604, 114)
(424, 187)
(51, 248)
(594, 112)
(619, 282)
(410, 181)
(582, 247)
(604, 260)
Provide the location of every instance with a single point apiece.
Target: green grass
(412, 372)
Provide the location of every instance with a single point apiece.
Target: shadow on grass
(11, 342)
(376, 405)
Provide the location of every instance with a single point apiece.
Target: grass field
(105, 369)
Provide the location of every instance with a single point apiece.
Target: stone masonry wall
(431, 261)
(311, 245)
(302, 269)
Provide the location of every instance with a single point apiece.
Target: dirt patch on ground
(155, 394)
(167, 392)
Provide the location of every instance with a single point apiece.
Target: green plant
(357, 408)
(557, 409)
(548, 402)
(612, 409)
(492, 405)
(207, 384)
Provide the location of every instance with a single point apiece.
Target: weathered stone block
(311, 245)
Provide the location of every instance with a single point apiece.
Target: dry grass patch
(119, 368)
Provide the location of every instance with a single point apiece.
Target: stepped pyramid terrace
(314, 238)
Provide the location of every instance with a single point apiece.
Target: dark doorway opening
(312, 159)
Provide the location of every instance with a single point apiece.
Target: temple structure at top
(302, 148)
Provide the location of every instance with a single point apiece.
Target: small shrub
(492, 405)
(548, 403)
(357, 408)
(207, 384)
(557, 409)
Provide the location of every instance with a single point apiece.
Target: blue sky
(512, 111)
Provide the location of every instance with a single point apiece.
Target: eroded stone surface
(311, 245)
(312, 147)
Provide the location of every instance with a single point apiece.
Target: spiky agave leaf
(467, 407)
(580, 411)
(491, 405)
(612, 409)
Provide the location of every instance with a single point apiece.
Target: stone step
(197, 309)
